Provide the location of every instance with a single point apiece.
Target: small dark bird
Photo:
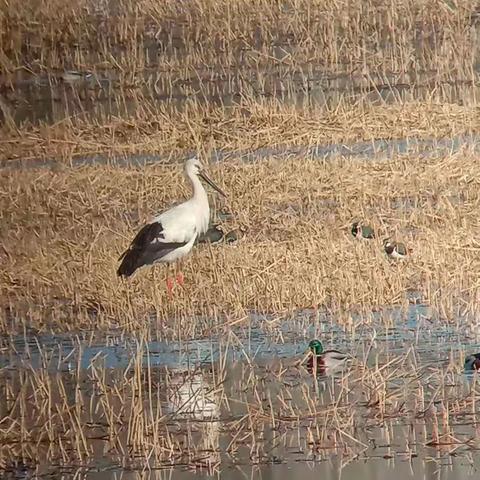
(395, 250)
(472, 362)
(233, 236)
(362, 231)
(215, 235)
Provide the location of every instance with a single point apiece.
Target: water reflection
(333, 469)
(191, 396)
(215, 406)
(94, 96)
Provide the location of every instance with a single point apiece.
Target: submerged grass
(63, 230)
(210, 418)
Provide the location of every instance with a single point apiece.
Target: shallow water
(373, 469)
(254, 341)
(184, 381)
(52, 97)
(334, 468)
(379, 148)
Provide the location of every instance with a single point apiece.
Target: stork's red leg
(170, 284)
(179, 275)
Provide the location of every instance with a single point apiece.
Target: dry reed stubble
(63, 232)
(210, 40)
(243, 128)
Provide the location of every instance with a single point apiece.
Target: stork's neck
(200, 200)
(199, 193)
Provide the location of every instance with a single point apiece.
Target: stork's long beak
(205, 177)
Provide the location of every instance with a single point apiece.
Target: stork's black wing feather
(146, 248)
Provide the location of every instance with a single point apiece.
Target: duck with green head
(215, 234)
(326, 360)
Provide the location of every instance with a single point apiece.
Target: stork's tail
(129, 263)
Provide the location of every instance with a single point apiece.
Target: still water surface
(372, 469)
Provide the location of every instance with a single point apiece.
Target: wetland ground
(311, 115)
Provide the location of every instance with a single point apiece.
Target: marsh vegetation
(100, 101)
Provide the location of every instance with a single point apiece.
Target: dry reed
(62, 232)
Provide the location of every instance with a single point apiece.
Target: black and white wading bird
(171, 235)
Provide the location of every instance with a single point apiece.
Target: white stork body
(171, 235)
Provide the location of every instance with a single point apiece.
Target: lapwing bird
(394, 249)
(472, 362)
(362, 231)
(324, 361)
(170, 235)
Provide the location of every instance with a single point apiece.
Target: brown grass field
(63, 231)
(213, 39)
(171, 78)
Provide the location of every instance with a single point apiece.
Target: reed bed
(129, 53)
(169, 78)
(244, 128)
(208, 418)
(189, 38)
(63, 230)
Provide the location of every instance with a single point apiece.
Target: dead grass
(248, 127)
(145, 53)
(255, 35)
(62, 232)
(62, 229)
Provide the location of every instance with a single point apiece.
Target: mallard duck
(233, 235)
(326, 361)
(73, 76)
(216, 235)
(472, 362)
(362, 231)
(394, 249)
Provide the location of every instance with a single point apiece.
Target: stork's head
(194, 167)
